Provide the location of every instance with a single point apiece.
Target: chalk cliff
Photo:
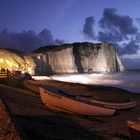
(14, 60)
(77, 58)
(67, 58)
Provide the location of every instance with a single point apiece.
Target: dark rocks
(7, 128)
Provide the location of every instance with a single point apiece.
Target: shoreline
(124, 80)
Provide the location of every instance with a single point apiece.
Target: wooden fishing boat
(58, 100)
(31, 86)
(117, 106)
(134, 129)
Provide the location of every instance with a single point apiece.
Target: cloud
(46, 36)
(114, 21)
(88, 30)
(138, 20)
(130, 48)
(112, 37)
(27, 40)
(119, 29)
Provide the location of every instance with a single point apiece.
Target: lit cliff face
(59, 61)
(67, 58)
(62, 61)
(96, 57)
(8, 60)
(14, 60)
(30, 65)
(77, 58)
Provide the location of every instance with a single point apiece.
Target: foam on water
(129, 80)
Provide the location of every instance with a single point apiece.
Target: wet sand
(38, 122)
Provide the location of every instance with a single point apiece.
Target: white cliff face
(121, 66)
(97, 57)
(69, 58)
(106, 60)
(62, 61)
(77, 58)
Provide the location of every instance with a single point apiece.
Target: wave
(128, 80)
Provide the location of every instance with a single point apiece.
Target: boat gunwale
(63, 94)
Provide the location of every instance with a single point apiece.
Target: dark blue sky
(64, 18)
(57, 21)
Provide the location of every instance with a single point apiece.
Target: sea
(128, 80)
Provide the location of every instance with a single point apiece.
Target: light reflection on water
(128, 81)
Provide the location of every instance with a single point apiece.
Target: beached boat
(134, 129)
(117, 106)
(58, 100)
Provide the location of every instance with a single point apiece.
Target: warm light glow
(1, 60)
(23, 72)
(14, 62)
(7, 64)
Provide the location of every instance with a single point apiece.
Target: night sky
(29, 24)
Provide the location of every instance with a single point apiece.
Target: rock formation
(121, 66)
(14, 60)
(77, 58)
(66, 58)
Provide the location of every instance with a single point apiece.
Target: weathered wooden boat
(31, 86)
(58, 100)
(117, 106)
(134, 129)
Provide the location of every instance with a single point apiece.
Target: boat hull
(71, 105)
(117, 106)
(134, 129)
